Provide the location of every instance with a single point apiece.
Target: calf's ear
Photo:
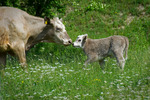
(84, 39)
(46, 20)
(86, 34)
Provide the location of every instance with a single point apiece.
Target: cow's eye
(79, 40)
(58, 29)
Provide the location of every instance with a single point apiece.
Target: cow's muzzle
(68, 42)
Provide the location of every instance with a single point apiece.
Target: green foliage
(96, 6)
(41, 8)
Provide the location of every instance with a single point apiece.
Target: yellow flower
(97, 80)
(22, 82)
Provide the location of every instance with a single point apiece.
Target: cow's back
(9, 14)
(11, 24)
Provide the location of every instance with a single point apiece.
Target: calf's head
(56, 31)
(81, 39)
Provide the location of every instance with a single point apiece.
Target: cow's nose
(73, 44)
(70, 41)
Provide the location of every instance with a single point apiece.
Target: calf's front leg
(90, 60)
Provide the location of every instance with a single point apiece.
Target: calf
(99, 49)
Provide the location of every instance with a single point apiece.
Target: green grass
(57, 72)
(70, 81)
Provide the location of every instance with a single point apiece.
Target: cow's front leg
(20, 53)
(22, 59)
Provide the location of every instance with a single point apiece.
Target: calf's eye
(79, 40)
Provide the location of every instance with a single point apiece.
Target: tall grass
(57, 72)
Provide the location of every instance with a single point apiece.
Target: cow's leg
(102, 64)
(20, 52)
(2, 60)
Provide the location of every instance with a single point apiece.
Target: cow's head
(56, 31)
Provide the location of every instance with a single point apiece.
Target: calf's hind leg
(120, 60)
(102, 64)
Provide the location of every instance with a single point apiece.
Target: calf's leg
(120, 60)
(90, 60)
(102, 64)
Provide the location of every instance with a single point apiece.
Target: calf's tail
(126, 47)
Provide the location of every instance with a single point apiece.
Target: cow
(19, 31)
(99, 49)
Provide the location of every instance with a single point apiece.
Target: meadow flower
(121, 83)
(86, 94)
(53, 90)
(114, 64)
(8, 95)
(55, 97)
(44, 95)
(97, 80)
(22, 82)
(103, 72)
(34, 93)
(64, 92)
(56, 63)
(77, 96)
(27, 93)
(101, 98)
(61, 74)
(16, 95)
(30, 97)
(70, 70)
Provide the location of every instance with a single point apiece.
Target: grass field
(57, 72)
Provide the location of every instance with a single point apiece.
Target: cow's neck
(36, 31)
(36, 26)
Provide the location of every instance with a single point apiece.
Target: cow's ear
(61, 19)
(46, 20)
